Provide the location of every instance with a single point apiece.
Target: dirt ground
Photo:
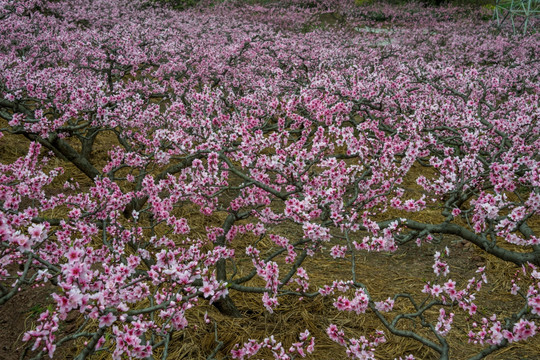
(16, 316)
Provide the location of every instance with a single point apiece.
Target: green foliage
(35, 311)
(378, 16)
(324, 20)
(178, 4)
(487, 12)
(363, 2)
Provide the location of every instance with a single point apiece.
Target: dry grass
(399, 272)
(384, 274)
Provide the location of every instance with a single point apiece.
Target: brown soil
(17, 316)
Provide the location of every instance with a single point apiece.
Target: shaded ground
(17, 316)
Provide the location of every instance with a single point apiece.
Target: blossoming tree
(237, 111)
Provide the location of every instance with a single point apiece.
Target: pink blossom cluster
(491, 331)
(362, 348)
(304, 346)
(450, 294)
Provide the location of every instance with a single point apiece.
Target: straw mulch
(406, 270)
